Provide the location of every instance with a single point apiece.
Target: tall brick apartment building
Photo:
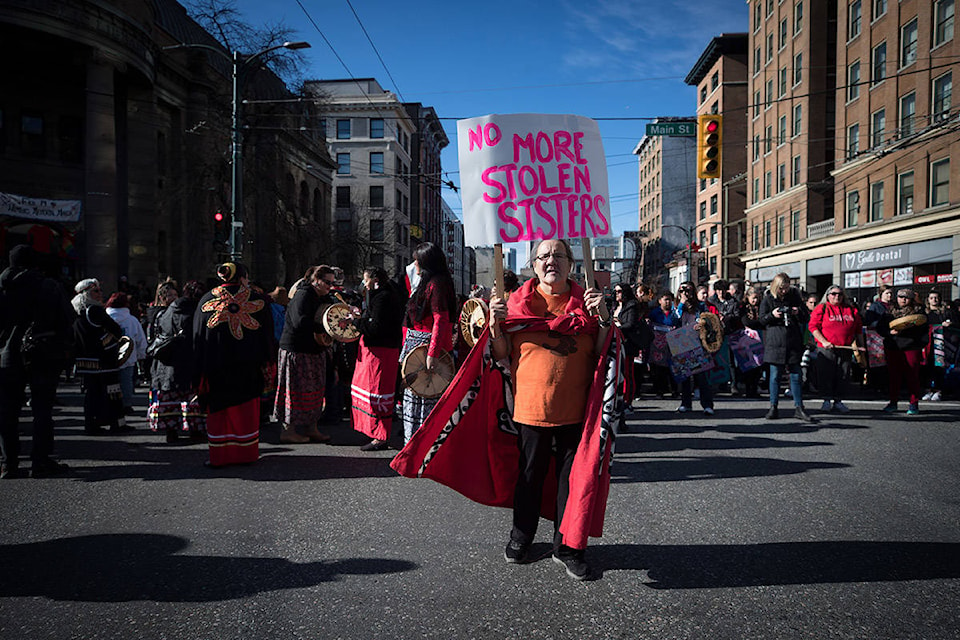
(853, 134)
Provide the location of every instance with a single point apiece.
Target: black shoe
(172, 437)
(803, 416)
(48, 468)
(10, 472)
(572, 560)
(773, 413)
(123, 428)
(374, 445)
(516, 553)
(95, 431)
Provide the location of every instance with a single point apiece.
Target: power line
(379, 57)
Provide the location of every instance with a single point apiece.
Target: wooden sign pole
(588, 279)
(498, 270)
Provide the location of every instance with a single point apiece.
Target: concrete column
(100, 176)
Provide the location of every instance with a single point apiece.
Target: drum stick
(588, 277)
(498, 270)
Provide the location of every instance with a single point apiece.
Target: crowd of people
(220, 360)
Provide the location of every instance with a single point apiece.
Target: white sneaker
(826, 406)
(927, 396)
(682, 409)
(708, 411)
(839, 406)
(936, 396)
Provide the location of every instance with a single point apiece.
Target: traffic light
(709, 146)
(219, 227)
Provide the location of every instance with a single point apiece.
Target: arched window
(289, 193)
(317, 205)
(304, 204)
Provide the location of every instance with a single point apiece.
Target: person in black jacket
(784, 317)
(637, 335)
(750, 318)
(35, 339)
(375, 375)
(302, 361)
(173, 396)
(904, 350)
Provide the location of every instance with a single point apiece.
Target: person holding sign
(431, 314)
(552, 360)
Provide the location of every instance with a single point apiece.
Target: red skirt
(234, 434)
(373, 388)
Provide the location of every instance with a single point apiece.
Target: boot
(314, 435)
(289, 435)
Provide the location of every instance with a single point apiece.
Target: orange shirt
(552, 372)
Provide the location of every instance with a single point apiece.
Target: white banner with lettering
(39, 208)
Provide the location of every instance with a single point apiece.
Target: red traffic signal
(709, 146)
(218, 216)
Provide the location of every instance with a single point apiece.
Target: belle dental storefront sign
(39, 208)
(532, 177)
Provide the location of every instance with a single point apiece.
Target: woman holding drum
(904, 331)
(302, 361)
(430, 318)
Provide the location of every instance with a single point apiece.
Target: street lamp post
(689, 231)
(240, 66)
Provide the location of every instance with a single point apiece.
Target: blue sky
(600, 59)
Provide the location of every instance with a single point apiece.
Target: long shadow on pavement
(784, 563)
(656, 445)
(135, 567)
(709, 468)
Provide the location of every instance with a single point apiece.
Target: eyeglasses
(559, 257)
(833, 293)
(903, 297)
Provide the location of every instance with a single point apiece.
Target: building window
(908, 109)
(878, 122)
(703, 94)
(794, 225)
(853, 208)
(854, 18)
(769, 8)
(714, 200)
(767, 233)
(757, 61)
(781, 230)
(797, 119)
(795, 174)
(715, 107)
(756, 237)
(905, 193)
(783, 33)
(798, 17)
(782, 130)
(376, 127)
(876, 201)
(703, 184)
(703, 239)
(713, 234)
(767, 184)
(942, 22)
(756, 148)
(713, 264)
(879, 8)
(878, 69)
(797, 68)
(756, 190)
(376, 230)
(343, 129)
(781, 177)
(703, 210)
(853, 81)
(940, 182)
(343, 197)
(343, 164)
(853, 140)
(757, 16)
(756, 104)
(908, 43)
(783, 82)
(769, 96)
(714, 81)
(942, 90)
(376, 196)
(376, 162)
(768, 143)
(769, 47)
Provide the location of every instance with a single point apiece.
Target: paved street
(724, 527)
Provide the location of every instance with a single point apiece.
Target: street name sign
(688, 128)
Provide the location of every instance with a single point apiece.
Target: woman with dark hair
(430, 317)
(904, 350)
(232, 338)
(119, 310)
(938, 316)
(375, 375)
(173, 396)
(302, 361)
(637, 335)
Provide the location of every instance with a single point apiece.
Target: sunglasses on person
(901, 297)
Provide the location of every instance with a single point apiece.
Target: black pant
(833, 371)
(538, 445)
(43, 391)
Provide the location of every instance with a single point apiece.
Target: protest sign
(530, 177)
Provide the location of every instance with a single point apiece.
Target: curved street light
(240, 66)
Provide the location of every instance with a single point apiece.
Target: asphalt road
(724, 527)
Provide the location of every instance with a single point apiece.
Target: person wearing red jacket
(836, 326)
